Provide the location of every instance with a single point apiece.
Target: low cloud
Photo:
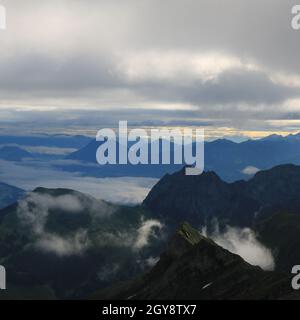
(66, 202)
(147, 263)
(71, 245)
(108, 272)
(34, 210)
(58, 151)
(49, 150)
(244, 243)
(135, 238)
(250, 170)
(146, 231)
(33, 174)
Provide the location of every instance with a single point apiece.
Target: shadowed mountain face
(280, 231)
(9, 194)
(59, 243)
(201, 199)
(194, 267)
(269, 204)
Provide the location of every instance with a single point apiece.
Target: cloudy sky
(230, 66)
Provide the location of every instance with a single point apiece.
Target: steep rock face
(279, 184)
(269, 203)
(200, 199)
(278, 228)
(194, 267)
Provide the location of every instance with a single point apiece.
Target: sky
(231, 67)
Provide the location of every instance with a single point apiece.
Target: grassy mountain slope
(69, 244)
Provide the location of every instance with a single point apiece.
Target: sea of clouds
(243, 242)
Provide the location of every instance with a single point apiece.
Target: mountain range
(269, 204)
(230, 160)
(201, 199)
(194, 267)
(46, 140)
(12, 153)
(42, 147)
(60, 243)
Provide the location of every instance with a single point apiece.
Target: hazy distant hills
(11, 153)
(62, 141)
(194, 267)
(42, 147)
(231, 161)
(88, 154)
(9, 194)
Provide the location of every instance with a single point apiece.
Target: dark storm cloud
(39, 75)
(259, 29)
(231, 87)
(35, 72)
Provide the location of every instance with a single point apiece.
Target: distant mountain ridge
(228, 159)
(11, 153)
(46, 140)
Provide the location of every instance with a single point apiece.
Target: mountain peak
(205, 175)
(184, 239)
(197, 268)
(281, 170)
(188, 233)
(201, 199)
(272, 137)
